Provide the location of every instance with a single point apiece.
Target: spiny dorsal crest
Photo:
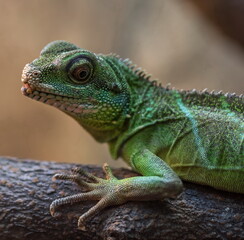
(212, 93)
(142, 74)
(202, 93)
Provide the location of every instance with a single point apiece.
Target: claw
(52, 210)
(59, 176)
(108, 172)
(81, 226)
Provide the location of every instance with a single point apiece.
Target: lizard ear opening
(115, 88)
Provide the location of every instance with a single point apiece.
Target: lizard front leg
(158, 182)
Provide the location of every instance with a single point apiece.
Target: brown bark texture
(26, 191)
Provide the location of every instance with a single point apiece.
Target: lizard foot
(106, 191)
(112, 191)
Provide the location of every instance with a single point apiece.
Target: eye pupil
(83, 74)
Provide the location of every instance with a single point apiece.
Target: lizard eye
(81, 74)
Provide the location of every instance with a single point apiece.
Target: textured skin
(161, 133)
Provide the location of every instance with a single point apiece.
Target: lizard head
(88, 87)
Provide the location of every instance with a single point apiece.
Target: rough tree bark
(26, 190)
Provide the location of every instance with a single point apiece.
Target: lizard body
(162, 133)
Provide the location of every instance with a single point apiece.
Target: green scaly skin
(163, 134)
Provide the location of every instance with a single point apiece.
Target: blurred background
(189, 43)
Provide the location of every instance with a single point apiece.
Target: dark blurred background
(190, 43)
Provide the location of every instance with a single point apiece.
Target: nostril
(30, 74)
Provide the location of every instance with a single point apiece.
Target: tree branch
(26, 191)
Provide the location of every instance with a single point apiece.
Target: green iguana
(162, 133)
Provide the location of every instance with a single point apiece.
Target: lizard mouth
(64, 103)
(27, 89)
